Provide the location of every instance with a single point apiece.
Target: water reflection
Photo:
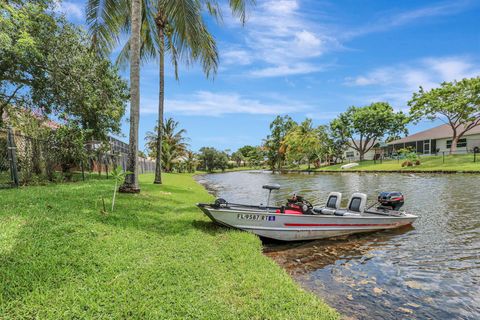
(429, 271)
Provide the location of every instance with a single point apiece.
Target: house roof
(442, 131)
(49, 123)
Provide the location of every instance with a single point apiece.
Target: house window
(462, 143)
(349, 154)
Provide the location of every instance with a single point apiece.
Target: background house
(436, 140)
(350, 154)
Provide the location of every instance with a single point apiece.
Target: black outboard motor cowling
(391, 200)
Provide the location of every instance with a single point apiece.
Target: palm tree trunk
(161, 99)
(1, 116)
(131, 180)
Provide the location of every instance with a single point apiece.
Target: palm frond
(239, 8)
(188, 40)
(104, 20)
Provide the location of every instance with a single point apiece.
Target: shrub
(407, 163)
(68, 146)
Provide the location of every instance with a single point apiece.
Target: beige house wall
(472, 142)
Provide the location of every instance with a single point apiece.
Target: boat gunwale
(264, 212)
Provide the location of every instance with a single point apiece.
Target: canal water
(428, 271)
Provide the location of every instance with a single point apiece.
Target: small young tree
(118, 175)
(363, 127)
(456, 103)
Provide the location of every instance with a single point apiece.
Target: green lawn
(155, 257)
(428, 163)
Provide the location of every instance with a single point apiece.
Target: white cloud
(395, 84)
(441, 9)
(71, 10)
(236, 56)
(427, 73)
(284, 40)
(378, 76)
(280, 38)
(286, 70)
(326, 115)
(207, 103)
(389, 21)
(453, 68)
(283, 6)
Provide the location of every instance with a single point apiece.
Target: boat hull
(295, 227)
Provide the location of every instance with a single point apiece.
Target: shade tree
(364, 126)
(210, 159)
(47, 66)
(455, 103)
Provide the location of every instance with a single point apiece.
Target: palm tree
(190, 161)
(107, 20)
(174, 144)
(131, 179)
(203, 48)
(180, 30)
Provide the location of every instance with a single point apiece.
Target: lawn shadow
(47, 254)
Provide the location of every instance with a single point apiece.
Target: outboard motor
(391, 200)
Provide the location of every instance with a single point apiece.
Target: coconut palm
(190, 161)
(131, 179)
(175, 26)
(107, 21)
(174, 144)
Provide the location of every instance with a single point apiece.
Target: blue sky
(310, 58)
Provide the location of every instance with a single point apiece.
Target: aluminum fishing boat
(300, 220)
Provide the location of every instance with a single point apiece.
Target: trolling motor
(391, 200)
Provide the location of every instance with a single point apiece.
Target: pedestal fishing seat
(333, 203)
(356, 205)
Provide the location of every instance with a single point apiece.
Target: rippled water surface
(430, 270)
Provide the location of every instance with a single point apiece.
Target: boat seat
(357, 203)
(333, 203)
(328, 211)
(271, 187)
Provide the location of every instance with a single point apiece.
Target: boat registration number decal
(247, 216)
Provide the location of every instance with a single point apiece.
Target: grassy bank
(155, 257)
(428, 164)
